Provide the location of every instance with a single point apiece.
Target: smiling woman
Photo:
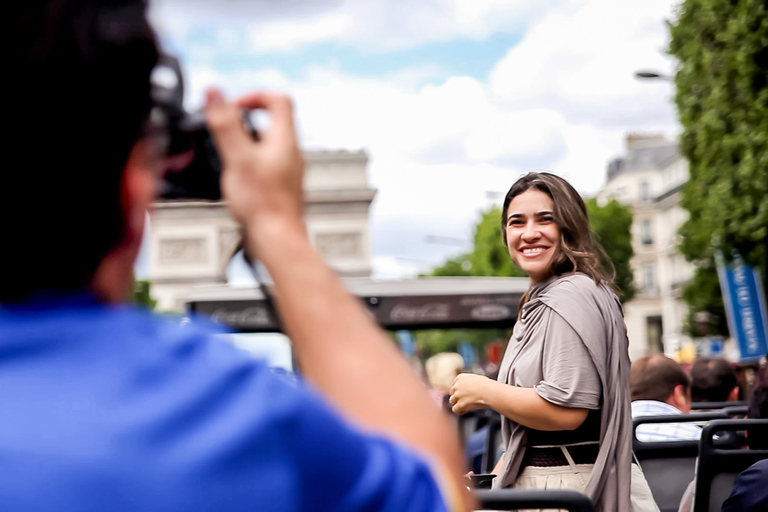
(533, 238)
(563, 385)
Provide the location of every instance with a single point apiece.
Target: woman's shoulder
(575, 290)
(574, 282)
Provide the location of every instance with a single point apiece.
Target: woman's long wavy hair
(578, 251)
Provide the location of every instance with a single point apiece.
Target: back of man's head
(655, 378)
(79, 101)
(713, 380)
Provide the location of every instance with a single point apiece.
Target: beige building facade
(192, 242)
(649, 179)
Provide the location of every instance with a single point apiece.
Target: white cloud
(562, 100)
(583, 64)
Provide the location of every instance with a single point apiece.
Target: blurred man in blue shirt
(107, 407)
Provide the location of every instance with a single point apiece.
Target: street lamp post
(652, 75)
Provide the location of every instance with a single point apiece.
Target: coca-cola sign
(436, 311)
(491, 312)
(252, 317)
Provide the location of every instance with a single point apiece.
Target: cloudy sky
(452, 99)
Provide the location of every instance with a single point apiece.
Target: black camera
(193, 169)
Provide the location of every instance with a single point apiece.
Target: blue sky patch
(462, 57)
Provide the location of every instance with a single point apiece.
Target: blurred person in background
(563, 383)
(106, 406)
(750, 489)
(713, 380)
(660, 387)
(442, 369)
(750, 492)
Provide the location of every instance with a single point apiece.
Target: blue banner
(745, 306)
(467, 352)
(406, 342)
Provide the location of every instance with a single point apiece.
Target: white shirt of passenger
(651, 432)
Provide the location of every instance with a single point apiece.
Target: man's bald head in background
(660, 378)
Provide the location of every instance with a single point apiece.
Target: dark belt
(552, 457)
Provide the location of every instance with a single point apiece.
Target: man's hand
(261, 180)
(469, 392)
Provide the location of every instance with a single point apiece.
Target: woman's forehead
(530, 201)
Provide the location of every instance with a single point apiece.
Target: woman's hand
(469, 392)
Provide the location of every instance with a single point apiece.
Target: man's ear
(138, 190)
(680, 398)
(114, 276)
(733, 395)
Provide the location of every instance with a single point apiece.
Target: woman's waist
(588, 431)
(551, 456)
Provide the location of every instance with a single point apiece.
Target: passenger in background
(442, 369)
(659, 386)
(750, 493)
(713, 380)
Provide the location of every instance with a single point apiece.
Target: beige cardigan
(560, 310)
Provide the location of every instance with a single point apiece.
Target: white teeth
(532, 251)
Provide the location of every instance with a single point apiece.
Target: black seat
(470, 422)
(717, 405)
(492, 443)
(514, 499)
(717, 468)
(669, 466)
(736, 411)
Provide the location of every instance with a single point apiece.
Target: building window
(645, 193)
(646, 236)
(649, 282)
(654, 330)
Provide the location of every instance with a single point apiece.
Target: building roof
(644, 158)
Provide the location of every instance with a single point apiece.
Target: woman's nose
(531, 231)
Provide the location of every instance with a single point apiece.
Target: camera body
(193, 170)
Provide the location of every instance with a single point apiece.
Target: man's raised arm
(340, 349)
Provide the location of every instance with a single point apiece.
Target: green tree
(611, 225)
(141, 293)
(722, 99)
(488, 257)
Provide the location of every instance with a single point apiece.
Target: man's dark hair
(713, 379)
(79, 101)
(655, 378)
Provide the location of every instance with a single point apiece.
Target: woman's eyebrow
(522, 215)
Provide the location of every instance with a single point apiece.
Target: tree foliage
(488, 257)
(141, 293)
(722, 100)
(612, 227)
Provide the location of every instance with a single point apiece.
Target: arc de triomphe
(192, 242)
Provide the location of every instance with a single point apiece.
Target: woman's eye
(546, 219)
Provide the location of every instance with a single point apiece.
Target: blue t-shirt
(114, 409)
